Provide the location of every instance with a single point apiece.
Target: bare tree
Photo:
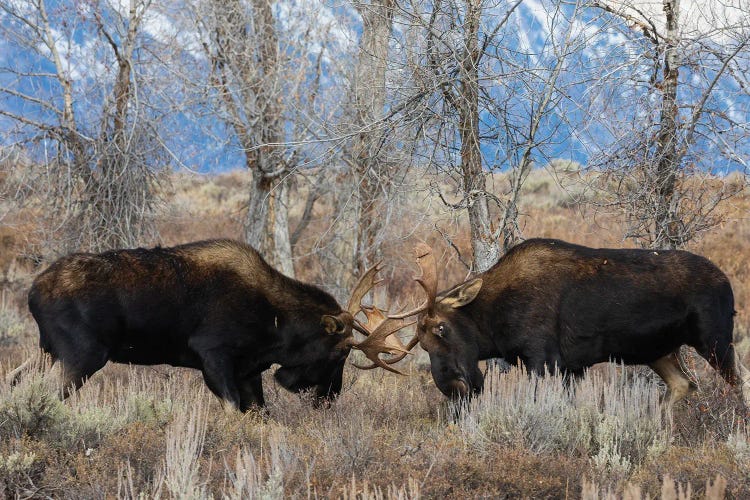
(673, 132)
(447, 56)
(489, 103)
(367, 148)
(85, 123)
(242, 44)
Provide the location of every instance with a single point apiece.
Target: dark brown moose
(551, 304)
(216, 306)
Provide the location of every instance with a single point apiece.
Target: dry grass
(132, 433)
(150, 432)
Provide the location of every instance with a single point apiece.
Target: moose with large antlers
(551, 304)
(216, 306)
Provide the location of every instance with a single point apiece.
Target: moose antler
(427, 280)
(394, 346)
(365, 284)
(378, 329)
(381, 339)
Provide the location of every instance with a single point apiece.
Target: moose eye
(439, 330)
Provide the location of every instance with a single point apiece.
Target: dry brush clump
(71, 440)
(670, 490)
(613, 422)
(13, 322)
(264, 476)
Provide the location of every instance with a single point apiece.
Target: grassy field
(135, 432)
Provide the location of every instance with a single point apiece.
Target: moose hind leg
(724, 359)
(79, 356)
(733, 371)
(74, 346)
(670, 370)
(713, 341)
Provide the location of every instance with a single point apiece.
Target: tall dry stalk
(185, 438)
(363, 490)
(251, 479)
(126, 485)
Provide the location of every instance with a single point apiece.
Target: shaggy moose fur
(216, 306)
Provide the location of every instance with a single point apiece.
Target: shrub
(517, 409)
(12, 323)
(16, 468)
(148, 409)
(616, 423)
(84, 428)
(30, 408)
(185, 439)
(348, 435)
(628, 422)
(739, 443)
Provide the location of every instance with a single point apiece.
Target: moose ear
(462, 294)
(332, 324)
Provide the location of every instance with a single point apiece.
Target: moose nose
(459, 387)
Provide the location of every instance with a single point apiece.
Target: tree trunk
(268, 226)
(248, 64)
(257, 213)
(483, 244)
(371, 176)
(267, 222)
(278, 207)
(667, 158)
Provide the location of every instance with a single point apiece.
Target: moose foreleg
(218, 373)
(251, 392)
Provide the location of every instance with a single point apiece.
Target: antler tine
(378, 363)
(378, 337)
(428, 279)
(407, 350)
(374, 315)
(378, 343)
(365, 284)
(412, 312)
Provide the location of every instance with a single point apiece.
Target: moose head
(445, 330)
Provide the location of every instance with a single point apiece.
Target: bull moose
(548, 303)
(216, 306)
